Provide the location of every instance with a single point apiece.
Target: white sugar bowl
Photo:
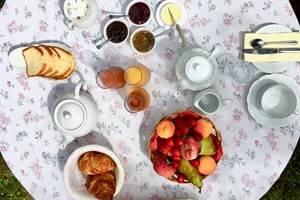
(75, 114)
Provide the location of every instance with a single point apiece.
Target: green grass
(287, 187)
(9, 185)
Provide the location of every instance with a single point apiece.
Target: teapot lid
(198, 69)
(69, 115)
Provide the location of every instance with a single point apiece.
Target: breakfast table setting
(149, 99)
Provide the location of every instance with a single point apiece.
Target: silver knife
(272, 51)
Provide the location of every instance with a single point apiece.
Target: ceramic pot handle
(67, 140)
(183, 85)
(69, 24)
(80, 86)
(214, 51)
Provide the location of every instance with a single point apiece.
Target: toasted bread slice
(54, 60)
(67, 63)
(34, 63)
(47, 61)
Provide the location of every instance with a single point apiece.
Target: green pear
(190, 172)
(207, 147)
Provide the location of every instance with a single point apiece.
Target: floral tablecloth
(254, 156)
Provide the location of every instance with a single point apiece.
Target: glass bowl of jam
(139, 12)
(116, 31)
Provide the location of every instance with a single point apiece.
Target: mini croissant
(102, 186)
(94, 163)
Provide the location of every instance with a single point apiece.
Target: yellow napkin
(271, 37)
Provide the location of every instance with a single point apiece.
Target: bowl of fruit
(185, 147)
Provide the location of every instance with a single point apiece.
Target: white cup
(207, 101)
(109, 23)
(279, 101)
(132, 37)
(131, 3)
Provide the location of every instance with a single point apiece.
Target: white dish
(17, 59)
(181, 66)
(274, 67)
(162, 4)
(86, 21)
(256, 92)
(75, 180)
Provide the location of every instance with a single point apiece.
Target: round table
(254, 156)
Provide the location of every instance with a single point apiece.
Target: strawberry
(179, 142)
(176, 164)
(163, 146)
(195, 163)
(153, 143)
(176, 152)
(170, 142)
(176, 158)
(189, 114)
(218, 145)
(180, 178)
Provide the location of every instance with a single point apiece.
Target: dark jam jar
(117, 31)
(139, 13)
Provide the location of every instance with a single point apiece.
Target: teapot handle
(80, 86)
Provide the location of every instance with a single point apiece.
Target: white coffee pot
(75, 114)
(197, 69)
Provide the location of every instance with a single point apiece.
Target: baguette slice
(34, 63)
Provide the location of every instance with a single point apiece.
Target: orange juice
(137, 76)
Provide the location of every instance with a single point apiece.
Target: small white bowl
(131, 3)
(111, 21)
(75, 180)
(131, 40)
(162, 5)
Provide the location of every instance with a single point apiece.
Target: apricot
(207, 165)
(165, 129)
(203, 127)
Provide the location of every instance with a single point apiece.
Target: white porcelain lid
(198, 69)
(69, 115)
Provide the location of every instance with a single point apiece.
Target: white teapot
(197, 69)
(75, 114)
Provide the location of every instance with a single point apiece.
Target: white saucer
(162, 4)
(274, 67)
(260, 86)
(181, 65)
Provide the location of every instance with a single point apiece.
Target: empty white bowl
(273, 101)
(75, 180)
(279, 101)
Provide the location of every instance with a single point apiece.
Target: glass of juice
(137, 100)
(111, 78)
(137, 76)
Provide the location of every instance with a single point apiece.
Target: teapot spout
(216, 49)
(67, 140)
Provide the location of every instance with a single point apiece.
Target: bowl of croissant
(93, 172)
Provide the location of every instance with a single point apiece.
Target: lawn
(287, 187)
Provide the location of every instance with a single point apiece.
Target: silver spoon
(259, 43)
(103, 43)
(165, 32)
(116, 16)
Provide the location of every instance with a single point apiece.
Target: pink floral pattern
(253, 158)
